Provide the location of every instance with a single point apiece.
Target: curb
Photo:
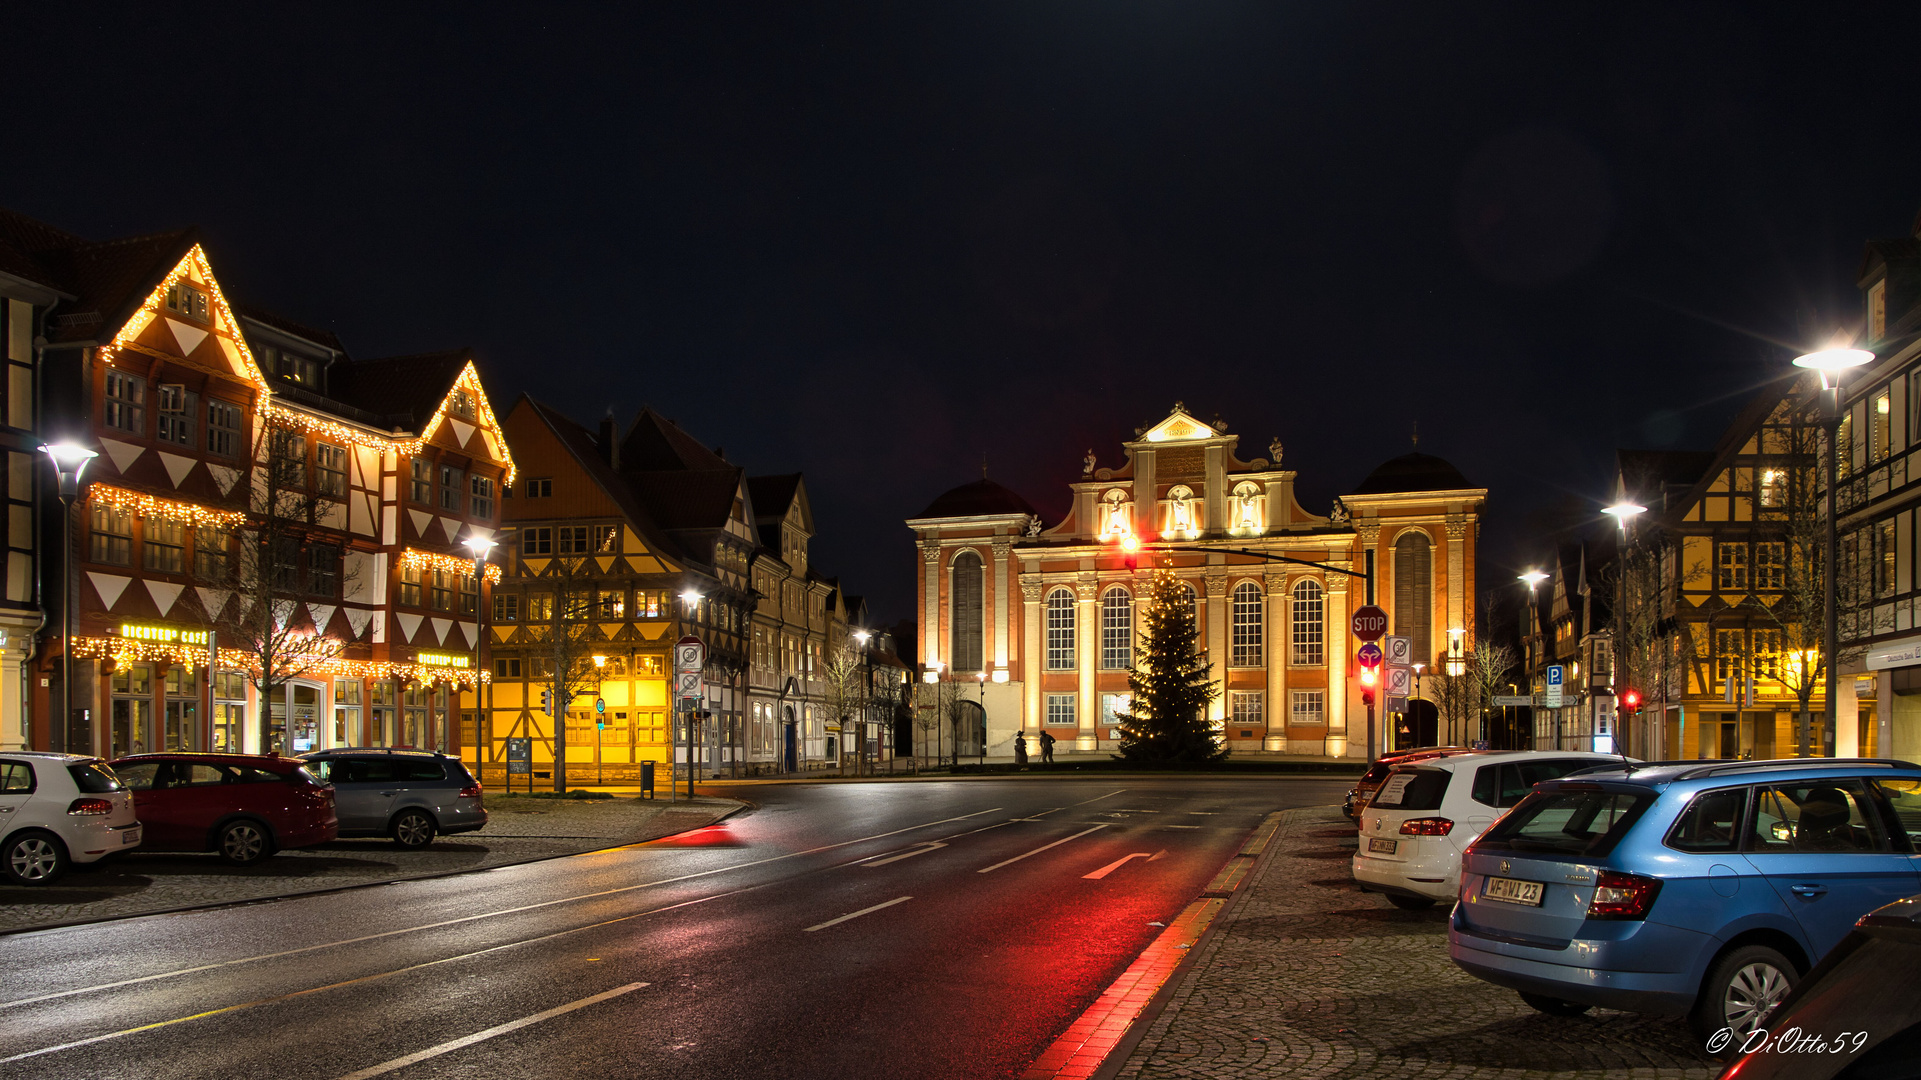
(1099, 1042)
(217, 905)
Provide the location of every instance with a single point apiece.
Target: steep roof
(584, 446)
(323, 338)
(655, 442)
(688, 498)
(110, 280)
(405, 389)
(1412, 472)
(982, 497)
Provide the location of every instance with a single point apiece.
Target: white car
(60, 809)
(1414, 828)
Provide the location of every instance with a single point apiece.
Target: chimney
(609, 446)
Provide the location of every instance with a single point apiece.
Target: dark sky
(875, 243)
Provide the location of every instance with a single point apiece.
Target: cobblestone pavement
(518, 830)
(1308, 977)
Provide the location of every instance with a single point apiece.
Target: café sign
(164, 634)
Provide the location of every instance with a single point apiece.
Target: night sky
(875, 243)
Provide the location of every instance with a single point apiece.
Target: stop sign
(1370, 623)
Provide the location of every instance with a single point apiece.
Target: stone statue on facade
(1087, 463)
(1033, 524)
(1274, 452)
(1338, 515)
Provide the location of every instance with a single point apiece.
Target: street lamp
(1533, 578)
(1624, 513)
(867, 663)
(982, 676)
(1833, 364)
(478, 546)
(69, 461)
(1418, 666)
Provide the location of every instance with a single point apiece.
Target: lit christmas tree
(1166, 723)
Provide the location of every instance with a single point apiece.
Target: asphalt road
(931, 929)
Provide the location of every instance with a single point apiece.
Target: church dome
(977, 499)
(1413, 472)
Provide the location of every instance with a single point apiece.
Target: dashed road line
(857, 914)
(482, 1036)
(1038, 850)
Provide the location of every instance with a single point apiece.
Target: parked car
(243, 806)
(1854, 1003)
(1370, 780)
(404, 794)
(57, 810)
(1428, 809)
(1702, 888)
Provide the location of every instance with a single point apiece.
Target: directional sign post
(1370, 623)
(1369, 655)
(1555, 674)
(1512, 701)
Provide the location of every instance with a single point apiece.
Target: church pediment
(1179, 427)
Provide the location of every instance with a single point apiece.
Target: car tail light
(471, 791)
(1427, 826)
(90, 807)
(1623, 896)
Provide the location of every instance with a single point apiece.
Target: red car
(243, 806)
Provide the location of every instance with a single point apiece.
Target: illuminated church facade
(1037, 621)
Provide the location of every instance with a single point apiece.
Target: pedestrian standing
(1047, 748)
(1020, 751)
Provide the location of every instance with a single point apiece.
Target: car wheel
(1740, 991)
(1409, 903)
(33, 858)
(1554, 1006)
(243, 843)
(414, 829)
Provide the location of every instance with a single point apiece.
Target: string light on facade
(145, 505)
(135, 651)
(446, 564)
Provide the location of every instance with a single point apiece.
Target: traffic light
(1367, 696)
(1630, 700)
(1131, 551)
(547, 702)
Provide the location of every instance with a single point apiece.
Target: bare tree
(281, 561)
(845, 693)
(560, 614)
(936, 710)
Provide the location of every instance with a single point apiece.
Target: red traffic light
(1631, 699)
(1369, 675)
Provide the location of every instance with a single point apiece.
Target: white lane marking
(931, 845)
(1116, 865)
(1181, 826)
(483, 915)
(370, 978)
(482, 1036)
(1038, 850)
(1109, 795)
(857, 914)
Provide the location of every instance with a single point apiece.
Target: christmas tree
(1167, 723)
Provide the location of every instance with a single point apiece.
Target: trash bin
(646, 779)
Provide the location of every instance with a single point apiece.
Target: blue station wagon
(1697, 888)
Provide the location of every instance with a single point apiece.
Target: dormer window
(188, 300)
(461, 403)
(1878, 310)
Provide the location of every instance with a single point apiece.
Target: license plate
(131, 836)
(1385, 847)
(1510, 891)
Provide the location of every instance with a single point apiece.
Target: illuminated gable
(168, 326)
(479, 437)
(1179, 427)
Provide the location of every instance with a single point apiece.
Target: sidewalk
(1305, 976)
(519, 830)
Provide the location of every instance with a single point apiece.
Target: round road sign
(1369, 655)
(1370, 623)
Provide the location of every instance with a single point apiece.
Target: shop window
(180, 723)
(130, 721)
(229, 710)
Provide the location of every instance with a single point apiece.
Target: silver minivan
(409, 795)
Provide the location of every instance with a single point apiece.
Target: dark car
(409, 795)
(243, 806)
(1854, 1017)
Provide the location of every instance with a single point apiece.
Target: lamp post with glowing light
(982, 676)
(1623, 512)
(69, 462)
(690, 601)
(1529, 619)
(479, 546)
(1833, 364)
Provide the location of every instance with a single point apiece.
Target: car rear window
(1560, 821)
(1506, 784)
(1412, 789)
(94, 778)
(426, 770)
(1375, 772)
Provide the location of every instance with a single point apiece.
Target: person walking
(1047, 748)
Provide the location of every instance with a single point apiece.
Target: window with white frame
(1060, 630)
(1310, 709)
(1247, 709)
(1060, 710)
(1112, 706)
(1309, 631)
(1246, 635)
(1117, 629)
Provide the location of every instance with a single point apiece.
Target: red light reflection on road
(712, 836)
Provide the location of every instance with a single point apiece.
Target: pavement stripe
(472, 918)
(1116, 865)
(1109, 795)
(1038, 850)
(482, 1036)
(857, 914)
(1087, 1041)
